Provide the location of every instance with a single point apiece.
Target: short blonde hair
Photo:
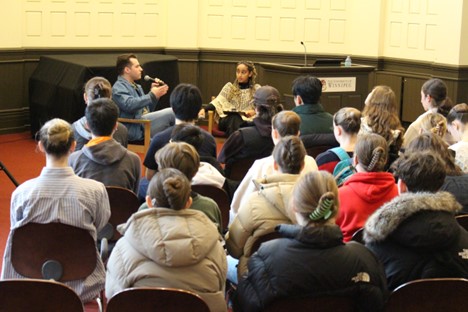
(181, 156)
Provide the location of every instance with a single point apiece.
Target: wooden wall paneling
(411, 100)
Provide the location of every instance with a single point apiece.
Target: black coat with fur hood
(417, 236)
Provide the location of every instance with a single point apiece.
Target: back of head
(286, 123)
(437, 90)
(349, 119)
(458, 112)
(436, 145)
(309, 88)
(421, 172)
(181, 156)
(169, 188)
(56, 136)
(101, 116)
(381, 99)
(186, 102)
(289, 154)
(371, 151)
(123, 61)
(267, 102)
(315, 197)
(434, 123)
(96, 88)
(188, 133)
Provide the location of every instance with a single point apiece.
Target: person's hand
(159, 91)
(201, 114)
(249, 113)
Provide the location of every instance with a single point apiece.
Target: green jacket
(314, 119)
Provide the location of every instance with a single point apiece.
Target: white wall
(426, 30)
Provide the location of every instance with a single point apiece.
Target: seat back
(463, 221)
(237, 169)
(150, 299)
(139, 146)
(317, 304)
(433, 294)
(34, 244)
(19, 295)
(123, 204)
(318, 143)
(220, 196)
(262, 239)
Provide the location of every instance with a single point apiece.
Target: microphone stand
(12, 179)
(305, 54)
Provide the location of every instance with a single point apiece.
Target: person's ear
(148, 201)
(275, 134)
(355, 160)
(73, 147)
(189, 202)
(85, 98)
(402, 188)
(299, 100)
(250, 74)
(339, 130)
(275, 166)
(41, 147)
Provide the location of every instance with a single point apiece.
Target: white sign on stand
(338, 84)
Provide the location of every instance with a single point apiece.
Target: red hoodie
(361, 195)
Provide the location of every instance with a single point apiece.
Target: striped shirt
(58, 195)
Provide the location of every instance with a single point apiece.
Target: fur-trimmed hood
(391, 215)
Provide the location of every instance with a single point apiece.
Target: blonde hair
(372, 152)
(181, 156)
(315, 197)
(434, 123)
(169, 188)
(382, 115)
(56, 136)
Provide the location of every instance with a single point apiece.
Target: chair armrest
(135, 121)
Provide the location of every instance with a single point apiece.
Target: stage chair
(19, 295)
(220, 196)
(318, 143)
(432, 294)
(317, 304)
(463, 221)
(123, 204)
(139, 146)
(149, 299)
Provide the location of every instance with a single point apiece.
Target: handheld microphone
(305, 54)
(155, 80)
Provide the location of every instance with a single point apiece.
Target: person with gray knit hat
(253, 139)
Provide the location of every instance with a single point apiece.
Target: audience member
(183, 157)
(457, 120)
(307, 91)
(456, 182)
(368, 189)
(96, 88)
(58, 195)
(282, 124)
(134, 103)
(254, 140)
(233, 105)
(169, 245)
(311, 259)
(433, 98)
(416, 234)
(267, 207)
(103, 159)
(186, 102)
(433, 123)
(346, 126)
(380, 116)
